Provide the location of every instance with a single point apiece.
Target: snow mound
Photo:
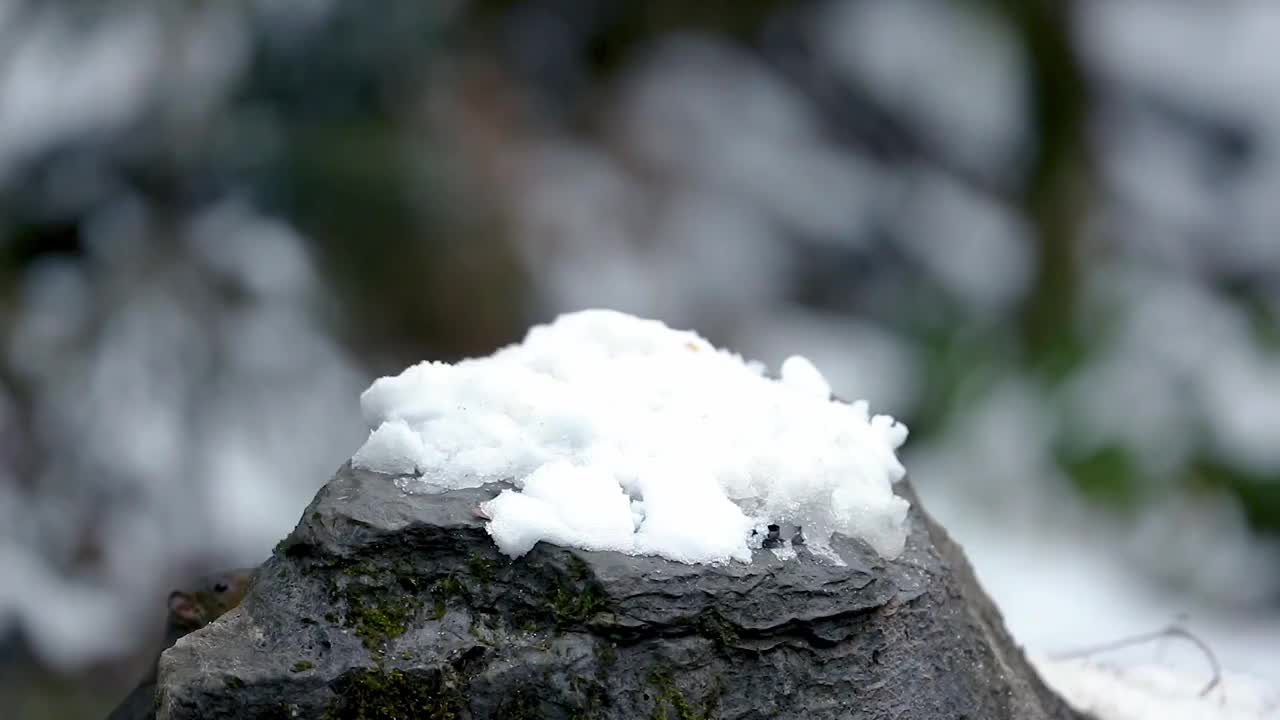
(1155, 692)
(619, 433)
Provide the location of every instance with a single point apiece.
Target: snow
(950, 74)
(1155, 692)
(619, 433)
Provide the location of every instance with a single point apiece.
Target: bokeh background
(1045, 234)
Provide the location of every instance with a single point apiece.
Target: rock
(387, 605)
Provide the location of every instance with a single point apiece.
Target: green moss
(377, 603)
(449, 587)
(482, 569)
(578, 568)
(575, 597)
(574, 607)
(376, 624)
(713, 625)
(607, 654)
(375, 613)
(394, 695)
(670, 702)
(303, 666)
(445, 589)
(589, 697)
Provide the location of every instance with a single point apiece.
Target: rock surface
(387, 605)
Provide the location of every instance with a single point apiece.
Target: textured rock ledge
(385, 605)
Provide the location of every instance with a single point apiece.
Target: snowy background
(1045, 235)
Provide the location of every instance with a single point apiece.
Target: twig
(1170, 631)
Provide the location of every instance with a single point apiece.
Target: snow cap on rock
(619, 433)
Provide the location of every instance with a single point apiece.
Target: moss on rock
(377, 694)
(670, 702)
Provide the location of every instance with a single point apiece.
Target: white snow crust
(619, 433)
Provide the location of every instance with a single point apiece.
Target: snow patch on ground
(1154, 692)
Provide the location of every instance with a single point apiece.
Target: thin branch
(1170, 631)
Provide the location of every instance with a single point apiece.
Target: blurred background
(1044, 234)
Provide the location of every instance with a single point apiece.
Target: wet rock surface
(387, 605)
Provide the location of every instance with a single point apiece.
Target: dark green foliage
(1107, 476)
(1259, 493)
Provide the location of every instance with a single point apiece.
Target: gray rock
(387, 605)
